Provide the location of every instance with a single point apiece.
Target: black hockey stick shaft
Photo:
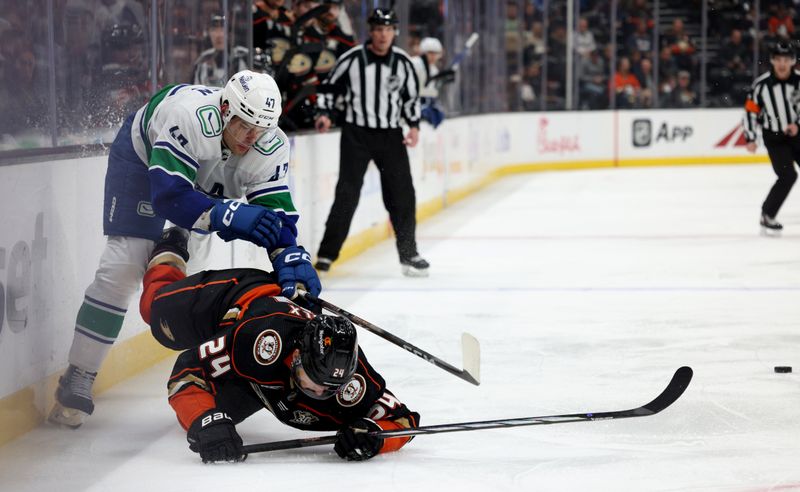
(680, 381)
(471, 374)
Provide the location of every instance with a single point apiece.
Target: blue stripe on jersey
(105, 305)
(266, 191)
(177, 88)
(175, 199)
(184, 157)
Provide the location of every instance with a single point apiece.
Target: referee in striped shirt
(379, 86)
(772, 103)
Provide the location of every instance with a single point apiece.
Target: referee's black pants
(783, 151)
(357, 146)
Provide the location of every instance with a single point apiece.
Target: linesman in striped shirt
(772, 104)
(379, 85)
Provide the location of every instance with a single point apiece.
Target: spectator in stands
(780, 22)
(592, 77)
(118, 12)
(272, 32)
(682, 95)
(124, 83)
(531, 80)
(681, 45)
(736, 54)
(209, 68)
(21, 91)
(531, 14)
(556, 66)
(644, 74)
(637, 12)
(534, 43)
(584, 39)
(667, 66)
(641, 40)
(626, 86)
(513, 39)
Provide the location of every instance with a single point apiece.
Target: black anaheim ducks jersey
(242, 336)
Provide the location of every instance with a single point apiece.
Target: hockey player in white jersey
(181, 158)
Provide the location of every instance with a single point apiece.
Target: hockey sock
(97, 326)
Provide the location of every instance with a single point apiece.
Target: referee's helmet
(783, 48)
(382, 17)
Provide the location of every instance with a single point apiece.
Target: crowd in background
(72, 72)
(649, 71)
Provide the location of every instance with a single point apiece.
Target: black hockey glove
(214, 436)
(353, 443)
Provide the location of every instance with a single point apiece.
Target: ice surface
(587, 290)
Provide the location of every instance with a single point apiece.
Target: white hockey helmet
(253, 97)
(430, 45)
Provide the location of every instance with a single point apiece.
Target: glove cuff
(208, 419)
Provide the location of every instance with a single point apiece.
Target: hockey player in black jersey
(246, 348)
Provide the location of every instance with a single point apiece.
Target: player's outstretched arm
(388, 413)
(236, 220)
(210, 432)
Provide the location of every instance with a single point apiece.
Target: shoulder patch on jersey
(351, 393)
(210, 120)
(270, 147)
(267, 347)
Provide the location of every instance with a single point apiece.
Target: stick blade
(680, 381)
(471, 352)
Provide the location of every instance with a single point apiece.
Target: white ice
(587, 290)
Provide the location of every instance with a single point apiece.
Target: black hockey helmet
(122, 35)
(328, 353)
(382, 17)
(783, 48)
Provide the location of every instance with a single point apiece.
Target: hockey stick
(673, 391)
(470, 348)
(471, 40)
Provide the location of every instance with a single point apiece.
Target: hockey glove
(214, 436)
(293, 267)
(354, 444)
(237, 220)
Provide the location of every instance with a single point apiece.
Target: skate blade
(410, 271)
(767, 232)
(69, 417)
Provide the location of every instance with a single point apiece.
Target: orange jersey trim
(751, 107)
(191, 403)
(268, 290)
(195, 287)
(364, 367)
(155, 278)
(391, 444)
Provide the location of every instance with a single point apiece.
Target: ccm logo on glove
(227, 218)
(292, 257)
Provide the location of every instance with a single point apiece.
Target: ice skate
(770, 226)
(73, 398)
(416, 266)
(323, 264)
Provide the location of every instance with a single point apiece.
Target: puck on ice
(783, 368)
